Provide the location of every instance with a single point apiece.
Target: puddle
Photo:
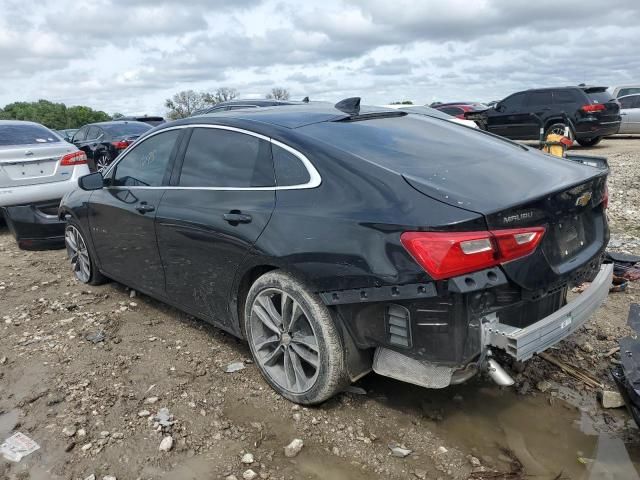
(549, 438)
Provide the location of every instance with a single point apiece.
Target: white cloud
(129, 55)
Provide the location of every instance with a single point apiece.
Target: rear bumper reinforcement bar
(523, 343)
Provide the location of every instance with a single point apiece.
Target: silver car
(37, 168)
(630, 113)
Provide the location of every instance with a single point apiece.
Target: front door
(507, 118)
(209, 220)
(122, 214)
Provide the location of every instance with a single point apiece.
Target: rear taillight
(120, 144)
(590, 108)
(75, 158)
(448, 254)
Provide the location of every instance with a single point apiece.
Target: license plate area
(570, 236)
(33, 169)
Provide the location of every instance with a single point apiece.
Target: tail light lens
(121, 144)
(75, 158)
(590, 108)
(448, 254)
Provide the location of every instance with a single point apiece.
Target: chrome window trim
(314, 177)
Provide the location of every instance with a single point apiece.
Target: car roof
(291, 116)
(20, 122)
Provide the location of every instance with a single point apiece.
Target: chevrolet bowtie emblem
(583, 200)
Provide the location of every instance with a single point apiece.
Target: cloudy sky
(129, 55)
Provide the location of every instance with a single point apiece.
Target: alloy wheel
(78, 254)
(284, 341)
(102, 163)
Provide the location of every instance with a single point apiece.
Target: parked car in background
(623, 91)
(37, 168)
(102, 142)
(67, 134)
(340, 239)
(153, 121)
(591, 112)
(630, 113)
(459, 109)
(431, 112)
(241, 104)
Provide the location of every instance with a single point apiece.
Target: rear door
(221, 200)
(122, 214)
(30, 155)
(539, 105)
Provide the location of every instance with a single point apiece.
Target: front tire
(294, 339)
(589, 142)
(82, 265)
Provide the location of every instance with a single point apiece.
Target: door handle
(144, 207)
(235, 217)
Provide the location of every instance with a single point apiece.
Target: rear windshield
(26, 135)
(599, 97)
(124, 129)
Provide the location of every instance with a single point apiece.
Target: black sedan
(340, 240)
(102, 142)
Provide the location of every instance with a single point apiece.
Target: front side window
(146, 163)
(513, 103)
(538, 98)
(629, 102)
(223, 158)
(94, 133)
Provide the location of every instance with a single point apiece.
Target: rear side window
(226, 159)
(290, 170)
(632, 101)
(564, 96)
(146, 163)
(26, 135)
(538, 98)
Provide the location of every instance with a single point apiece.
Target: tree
(279, 93)
(403, 102)
(52, 115)
(116, 116)
(222, 94)
(184, 104)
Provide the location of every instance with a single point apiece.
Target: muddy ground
(91, 406)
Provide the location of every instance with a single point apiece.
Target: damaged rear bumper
(523, 343)
(35, 227)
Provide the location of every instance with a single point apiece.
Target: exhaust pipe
(498, 374)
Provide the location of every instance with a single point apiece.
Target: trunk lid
(34, 164)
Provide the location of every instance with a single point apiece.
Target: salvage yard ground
(90, 402)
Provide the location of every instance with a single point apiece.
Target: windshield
(26, 135)
(126, 128)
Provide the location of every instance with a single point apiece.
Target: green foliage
(53, 115)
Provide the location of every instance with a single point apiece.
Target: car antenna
(350, 105)
(305, 100)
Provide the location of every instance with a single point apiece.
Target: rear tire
(82, 264)
(589, 142)
(294, 339)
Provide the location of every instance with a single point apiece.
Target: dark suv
(102, 142)
(591, 112)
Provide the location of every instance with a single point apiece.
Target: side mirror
(498, 107)
(93, 181)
